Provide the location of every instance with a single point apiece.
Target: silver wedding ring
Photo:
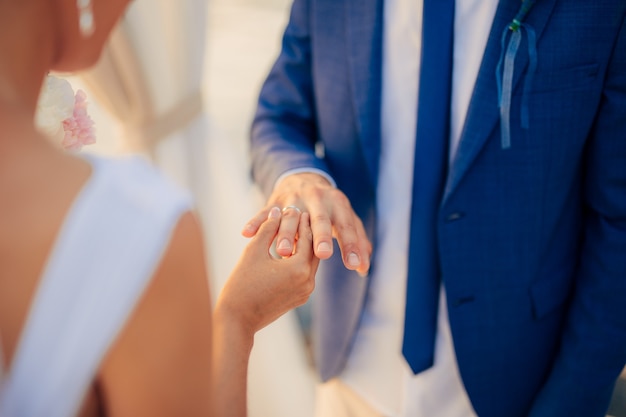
(291, 207)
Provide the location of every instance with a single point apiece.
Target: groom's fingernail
(323, 247)
(284, 244)
(353, 259)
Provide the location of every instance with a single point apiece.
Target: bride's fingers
(267, 231)
(252, 227)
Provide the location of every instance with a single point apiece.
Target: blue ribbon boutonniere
(504, 77)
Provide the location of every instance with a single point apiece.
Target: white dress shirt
(376, 369)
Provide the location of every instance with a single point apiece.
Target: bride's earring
(86, 21)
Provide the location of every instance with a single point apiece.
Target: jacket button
(463, 300)
(454, 216)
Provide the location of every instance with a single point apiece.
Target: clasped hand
(331, 217)
(261, 288)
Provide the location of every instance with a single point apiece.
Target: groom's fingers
(322, 229)
(355, 247)
(304, 249)
(304, 245)
(287, 232)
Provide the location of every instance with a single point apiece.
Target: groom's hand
(331, 216)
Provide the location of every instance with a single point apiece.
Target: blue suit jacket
(532, 238)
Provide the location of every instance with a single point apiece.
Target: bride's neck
(26, 53)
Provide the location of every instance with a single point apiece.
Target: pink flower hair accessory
(78, 129)
(62, 115)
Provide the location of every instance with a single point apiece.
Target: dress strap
(107, 251)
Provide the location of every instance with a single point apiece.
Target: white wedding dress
(108, 248)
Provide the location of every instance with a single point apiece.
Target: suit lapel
(364, 32)
(483, 113)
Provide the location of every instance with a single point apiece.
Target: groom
(511, 255)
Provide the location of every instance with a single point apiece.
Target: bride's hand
(332, 216)
(261, 288)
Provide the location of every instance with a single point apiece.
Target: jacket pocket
(564, 79)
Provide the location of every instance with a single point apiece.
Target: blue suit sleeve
(283, 133)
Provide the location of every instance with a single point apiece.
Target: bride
(104, 300)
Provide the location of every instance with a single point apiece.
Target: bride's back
(37, 187)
